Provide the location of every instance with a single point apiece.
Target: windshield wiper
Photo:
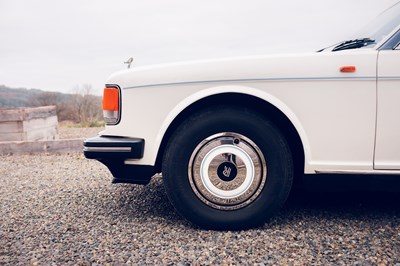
(352, 44)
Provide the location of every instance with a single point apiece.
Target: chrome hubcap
(227, 171)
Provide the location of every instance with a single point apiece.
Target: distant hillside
(82, 107)
(21, 97)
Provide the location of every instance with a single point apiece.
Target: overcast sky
(57, 45)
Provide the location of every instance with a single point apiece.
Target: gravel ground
(63, 210)
(78, 132)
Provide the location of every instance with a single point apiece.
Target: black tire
(195, 184)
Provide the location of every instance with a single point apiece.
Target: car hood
(227, 69)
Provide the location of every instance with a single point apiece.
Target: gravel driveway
(63, 210)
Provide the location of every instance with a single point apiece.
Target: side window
(393, 43)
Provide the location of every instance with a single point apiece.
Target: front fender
(246, 90)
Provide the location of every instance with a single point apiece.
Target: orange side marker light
(110, 99)
(348, 69)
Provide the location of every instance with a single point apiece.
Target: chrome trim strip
(263, 79)
(388, 78)
(359, 172)
(107, 149)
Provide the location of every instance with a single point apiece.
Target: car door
(387, 142)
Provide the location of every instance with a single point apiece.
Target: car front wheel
(227, 168)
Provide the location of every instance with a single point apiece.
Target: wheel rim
(227, 171)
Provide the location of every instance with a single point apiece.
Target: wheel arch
(290, 130)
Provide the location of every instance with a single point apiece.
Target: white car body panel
(334, 113)
(387, 153)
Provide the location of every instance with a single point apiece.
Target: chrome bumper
(106, 147)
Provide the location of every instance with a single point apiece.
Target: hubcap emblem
(227, 171)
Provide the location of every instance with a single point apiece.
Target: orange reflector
(110, 99)
(348, 69)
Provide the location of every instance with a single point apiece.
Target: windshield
(382, 25)
(373, 33)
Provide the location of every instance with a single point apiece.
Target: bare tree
(45, 98)
(81, 107)
(87, 106)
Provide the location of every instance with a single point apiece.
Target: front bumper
(113, 151)
(102, 147)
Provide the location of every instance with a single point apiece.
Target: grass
(71, 124)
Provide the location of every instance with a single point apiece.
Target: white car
(230, 136)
